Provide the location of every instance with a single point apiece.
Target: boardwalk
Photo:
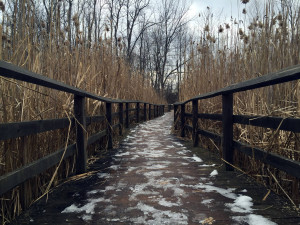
(154, 178)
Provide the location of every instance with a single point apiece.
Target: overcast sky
(227, 8)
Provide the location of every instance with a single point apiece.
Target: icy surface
(163, 189)
(214, 173)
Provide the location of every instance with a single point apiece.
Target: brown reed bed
(268, 43)
(93, 67)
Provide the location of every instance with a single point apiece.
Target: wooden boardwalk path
(155, 178)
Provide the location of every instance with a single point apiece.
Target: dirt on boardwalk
(154, 178)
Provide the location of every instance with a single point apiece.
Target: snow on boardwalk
(155, 179)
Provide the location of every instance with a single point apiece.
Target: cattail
(281, 23)
(273, 21)
(227, 26)
(67, 28)
(250, 27)
(206, 28)
(221, 29)
(208, 37)
(43, 25)
(241, 32)
(260, 24)
(119, 39)
(4, 37)
(279, 17)
(246, 39)
(245, 1)
(2, 6)
(75, 17)
(244, 11)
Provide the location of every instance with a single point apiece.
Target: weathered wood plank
(11, 71)
(217, 117)
(127, 115)
(92, 139)
(182, 120)
(121, 120)
(109, 125)
(81, 142)
(14, 130)
(287, 124)
(12, 179)
(195, 123)
(188, 115)
(227, 122)
(285, 75)
(20, 129)
(211, 135)
(145, 111)
(287, 165)
(137, 112)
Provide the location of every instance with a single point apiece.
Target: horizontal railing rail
(22, 129)
(228, 119)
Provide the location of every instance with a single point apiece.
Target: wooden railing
(22, 129)
(228, 119)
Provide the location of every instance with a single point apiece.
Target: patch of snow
(206, 165)
(159, 216)
(165, 203)
(244, 190)
(122, 154)
(103, 175)
(196, 158)
(242, 204)
(228, 193)
(153, 173)
(114, 167)
(207, 201)
(214, 173)
(88, 208)
(253, 219)
(86, 217)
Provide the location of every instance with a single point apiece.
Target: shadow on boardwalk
(156, 179)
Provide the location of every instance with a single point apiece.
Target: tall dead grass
(270, 42)
(93, 67)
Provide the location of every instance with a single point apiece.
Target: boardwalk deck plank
(155, 178)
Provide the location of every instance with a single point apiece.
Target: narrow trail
(155, 179)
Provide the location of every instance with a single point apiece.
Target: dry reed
(270, 43)
(45, 49)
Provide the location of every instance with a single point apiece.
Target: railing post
(127, 115)
(145, 111)
(109, 125)
(154, 111)
(195, 123)
(137, 112)
(121, 113)
(149, 111)
(182, 120)
(175, 116)
(227, 119)
(79, 112)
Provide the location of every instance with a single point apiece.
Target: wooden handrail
(282, 76)
(228, 119)
(21, 129)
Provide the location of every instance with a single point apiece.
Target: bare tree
(172, 20)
